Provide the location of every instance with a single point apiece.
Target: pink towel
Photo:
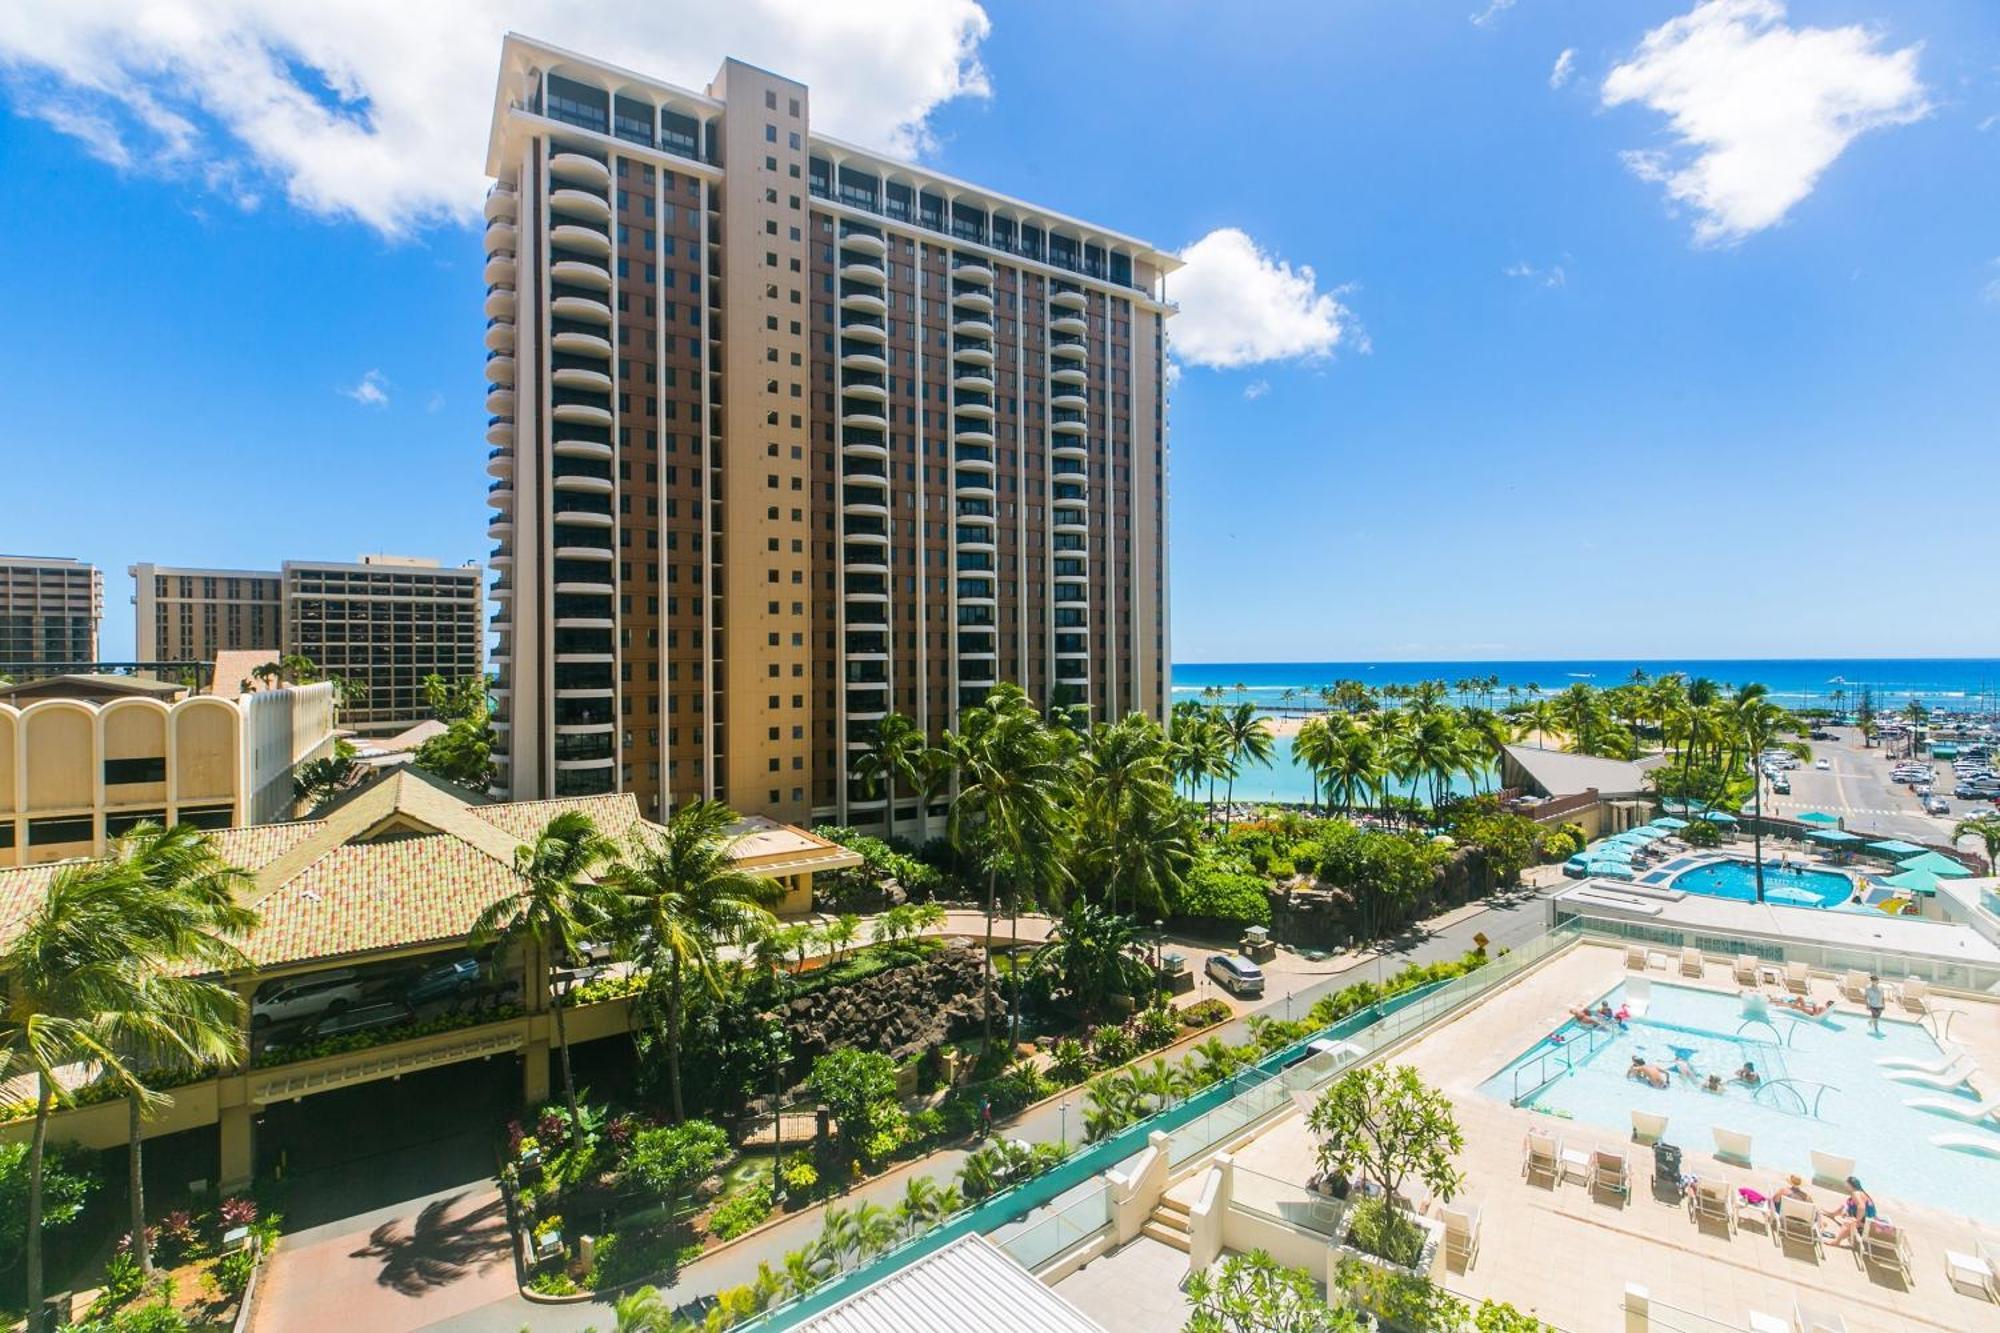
(1751, 1197)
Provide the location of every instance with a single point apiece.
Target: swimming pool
(1822, 1089)
(1787, 888)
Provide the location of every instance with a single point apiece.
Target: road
(1507, 922)
(1858, 788)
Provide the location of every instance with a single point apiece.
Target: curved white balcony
(577, 167)
(973, 409)
(563, 481)
(1069, 446)
(581, 308)
(500, 403)
(584, 240)
(575, 377)
(584, 344)
(581, 517)
(500, 434)
(866, 302)
(500, 203)
(971, 271)
(500, 525)
(875, 392)
(975, 383)
(583, 553)
(1068, 373)
(859, 272)
(873, 333)
(585, 622)
(579, 765)
(500, 237)
(1066, 521)
(863, 242)
(500, 336)
(570, 448)
(857, 504)
(499, 268)
(1069, 323)
(594, 276)
(870, 361)
(973, 541)
(584, 692)
(980, 301)
(867, 565)
(585, 586)
(500, 559)
(972, 326)
(583, 728)
(500, 368)
(582, 203)
(500, 303)
(501, 592)
(1068, 300)
(984, 436)
(583, 413)
(868, 420)
(974, 491)
(500, 463)
(1069, 427)
(500, 495)
(1071, 354)
(980, 356)
(1069, 396)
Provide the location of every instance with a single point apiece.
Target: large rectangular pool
(1822, 1088)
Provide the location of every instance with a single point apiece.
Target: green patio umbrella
(1942, 866)
(1913, 881)
(1834, 837)
(1819, 817)
(1608, 869)
(1669, 823)
(1610, 851)
(1719, 817)
(1896, 848)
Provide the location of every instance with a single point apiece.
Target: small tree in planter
(1387, 1126)
(1254, 1293)
(673, 1159)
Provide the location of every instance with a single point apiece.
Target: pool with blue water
(1821, 1088)
(1730, 878)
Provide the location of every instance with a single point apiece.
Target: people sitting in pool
(1806, 1005)
(1584, 1017)
(1714, 1084)
(1652, 1074)
(1748, 1074)
(1852, 1215)
(1624, 1012)
(1684, 1064)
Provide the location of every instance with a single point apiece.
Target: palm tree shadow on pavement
(440, 1248)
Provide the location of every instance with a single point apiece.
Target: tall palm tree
(557, 905)
(1538, 717)
(680, 894)
(895, 759)
(1986, 828)
(1248, 738)
(201, 1019)
(1756, 724)
(82, 989)
(1312, 748)
(1009, 781)
(1354, 769)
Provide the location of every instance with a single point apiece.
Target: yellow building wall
(135, 729)
(206, 754)
(62, 756)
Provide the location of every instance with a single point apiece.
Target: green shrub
(69, 1177)
(741, 1211)
(1111, 1044)
(927, 1126)
(1155, 1027)
(1701, 833)
(553, 1283)
(1205, 1013)
(1558, 845)
(156, 1318)
(231, 1272)
(800, 1177)
(1070, 1061)
(1216, 892)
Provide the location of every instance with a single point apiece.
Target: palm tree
(82, 988)
(1986, 828)
(1009, 779)
(840, 932)
(555, 908)
(1249, 741)
(896, 758)
(1756, 724)
(1538, 717)
(919, 1204)
(1094, 954)
(1354, 768)
(202, 1019)
(1312, 747)
(680, 893)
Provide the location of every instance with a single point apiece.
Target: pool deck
(1566, 1255)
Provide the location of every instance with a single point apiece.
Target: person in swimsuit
(1854, 1214)
(1748, 1075)
(1652, 1074)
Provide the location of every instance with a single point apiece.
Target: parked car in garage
(307, 997)
(365, 1018)
(443, 981)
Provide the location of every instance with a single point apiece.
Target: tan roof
(234, 666)
(405, 861)
(1559, 773)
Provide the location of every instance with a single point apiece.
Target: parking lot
(1857, 786)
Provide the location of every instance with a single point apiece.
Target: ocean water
(1947, 684)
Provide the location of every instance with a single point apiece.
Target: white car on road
(1822, 764)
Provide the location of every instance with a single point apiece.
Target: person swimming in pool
(1801, 1004)
(1748, 1075)
(1714, 1084)
(1584, 1017)
(1652, 1074)
(1684, 1065)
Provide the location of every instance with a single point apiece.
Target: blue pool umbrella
(1719, 817)
(1942, 866)
(1834, 837)
(1896, 848)
(1646, 833)
(1913, 881)
(1609, 870)
(1819, 817)
(1611, 852)
(1669, 823)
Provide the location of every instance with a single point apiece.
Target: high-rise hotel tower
(787, 435)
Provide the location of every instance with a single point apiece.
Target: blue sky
(1685, 345)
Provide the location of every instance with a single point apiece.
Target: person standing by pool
(1872, 997)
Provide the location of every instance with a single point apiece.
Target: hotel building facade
(785, 435)
(385, 621)
(50, 608)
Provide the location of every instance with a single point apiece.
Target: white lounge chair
(1798, 978)
(1854, 985)
(1831, 1169)
(1958, 1107)
(1980, 1271)
(1638, 996)
(1461, 1235)
(1541, 1155)
(1817, 1321)
(1713, 1201)
(1692, 963)
(1915, 995)
(1647, 1127)
(1797, 1219)
(1984, 1144)
(1885, 1245)
(1608, 1173)
(1732, 1143)
(1951, 1078)
(1635, 957)
(1745, 969)
(1937, 1066)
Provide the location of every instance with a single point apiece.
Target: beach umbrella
(1834, 837)
(1610, 870)
(1719, 817)
(1895, 848)
(1646, 833)
(1669, 823)
(1610, 851)
(1942, 866)
(1819, 817)
(1913, 881)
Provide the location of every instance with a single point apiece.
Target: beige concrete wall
(206, 758)
(60, 741)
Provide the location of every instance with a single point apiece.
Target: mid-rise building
(383, 623)
(89, 756)
(50, 608)
(786, 434)
(190, 615)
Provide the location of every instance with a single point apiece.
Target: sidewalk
(1506, 922)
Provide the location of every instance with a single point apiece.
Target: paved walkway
(1505, 921)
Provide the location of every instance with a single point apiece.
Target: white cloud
(1491, 13)
(1759, 109)
(1565, 66)
(434, 402)
(1256, 389)
(1552, 276)
(379, 109)
(371, 391)
(1241, 306)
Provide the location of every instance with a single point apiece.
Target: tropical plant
(463, 752)
(556, 906)
(896, 757)
(1386, 1125)
(679, 893)
(1254, 1293)
(1093, 955)
(857, 1087)
(1247, 738)
(1986, 828)
(670, 1159)
(1755, 724)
